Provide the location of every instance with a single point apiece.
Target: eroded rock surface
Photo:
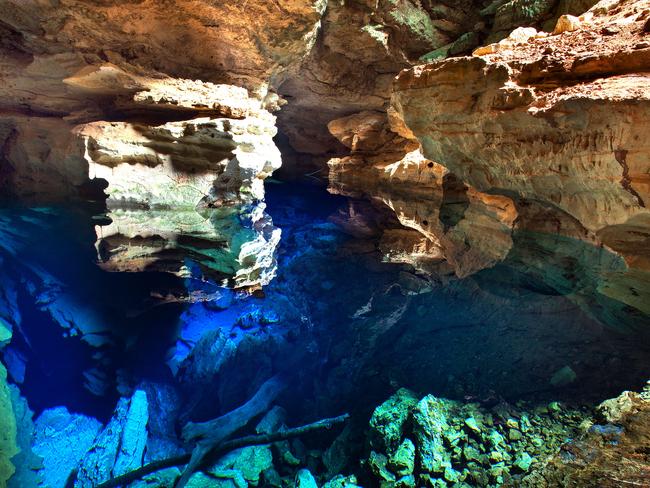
(554, 118)
(363, 44)
(133, 64)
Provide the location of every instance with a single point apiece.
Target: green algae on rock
(438, 442)
(8, 447)
(8, 433)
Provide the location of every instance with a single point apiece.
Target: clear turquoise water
(347, 327)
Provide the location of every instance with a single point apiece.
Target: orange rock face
(556, 118)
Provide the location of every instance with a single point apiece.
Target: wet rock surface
(467, 443)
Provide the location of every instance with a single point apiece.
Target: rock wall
(363, 44)
(555, 118)
(537, 134)
(70, 63)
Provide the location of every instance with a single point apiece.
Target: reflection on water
(233, 246)
(465, 297)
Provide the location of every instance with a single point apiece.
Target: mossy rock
(8, 446)
(389, 420)
(430, 426)
(402, 462)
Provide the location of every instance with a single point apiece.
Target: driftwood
(223, 448)
(211, 433)
(216, 430)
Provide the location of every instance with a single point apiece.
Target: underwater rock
(62, 439)
(341, 481)
(134, 435)
(402, 462)
(389, 419)
(27, 463)
(273, 421)
(337, 456)
(430, 427)
(164, 478)
(304, 479)
(201, 480)
(563, 376)
(164, 404)
(378, 466)
(119, 447)
(451, 443)
(8, 446)
(606, 455)
(248, 462)
(5, 333)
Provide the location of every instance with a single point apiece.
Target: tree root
(223, 448)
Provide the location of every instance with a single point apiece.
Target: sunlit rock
(444, 220)
(204, 161)
(547, 120)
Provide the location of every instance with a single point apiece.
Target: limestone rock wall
(534, 142)
(363, 44)
(72, 63)
(554, 118)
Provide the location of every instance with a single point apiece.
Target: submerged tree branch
(223, 448)
(211, 433)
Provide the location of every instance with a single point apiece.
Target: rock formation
(495, 159)
(234, 246)
(363, 44)
(124, 68)
(533, 132)
(8, 447)
(527, 118)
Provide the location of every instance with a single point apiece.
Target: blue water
(346, 326)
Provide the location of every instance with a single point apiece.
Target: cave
(324, 244)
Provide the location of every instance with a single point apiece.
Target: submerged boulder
(304, 479)
(62, 439)
(119, 448)
(8, 447)
(247, 463)
(389, 419)
(430, 426)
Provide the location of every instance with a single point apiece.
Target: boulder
(119, 447)
(62, 439)
(389, 419)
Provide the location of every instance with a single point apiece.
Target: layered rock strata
(540, 133)
(363, 44)
(554, 118)
(68, 63)
(234, 246)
